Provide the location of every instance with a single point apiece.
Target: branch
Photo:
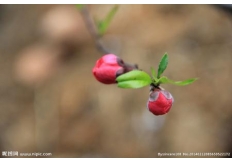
(97, 37)
(93, 30)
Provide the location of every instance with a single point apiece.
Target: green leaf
(80, 6)
(153, 72)
(104, 24)
(155, 80)
(134, 79)
(163, 65)
(164, 80)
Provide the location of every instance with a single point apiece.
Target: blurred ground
(50, 101)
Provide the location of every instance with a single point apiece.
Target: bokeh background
(50, 101)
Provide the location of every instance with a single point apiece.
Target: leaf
(162, 65)
(164, 80)
(153, 72)
(134, 79)
(104, 24)
(185, 82)
(80, 6)
(132, 84)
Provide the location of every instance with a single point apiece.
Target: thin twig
(93, 30)
(97, 37)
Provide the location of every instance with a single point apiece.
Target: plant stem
(93, 30)
(130, 67)
(90, 25)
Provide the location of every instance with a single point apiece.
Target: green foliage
(165, 80)
(163, 65)
(103, 25)
(138, 79)
(134, 79)
(153, 73)
(79, 6)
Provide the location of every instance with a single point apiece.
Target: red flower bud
(160, 101)
(109, 67)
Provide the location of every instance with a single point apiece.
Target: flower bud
(160, 101)
(109, 67)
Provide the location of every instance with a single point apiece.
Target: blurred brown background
(50, 101)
